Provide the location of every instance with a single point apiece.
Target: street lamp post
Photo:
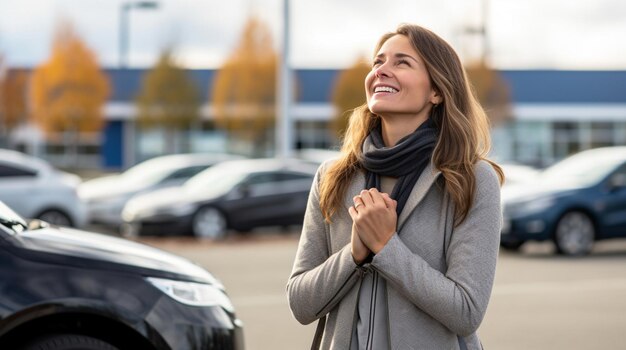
(129, 132)
(284, 125)
(125, 24)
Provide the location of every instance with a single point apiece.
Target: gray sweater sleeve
(318, 280)
(458, 299)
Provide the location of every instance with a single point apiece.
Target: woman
(401, 233)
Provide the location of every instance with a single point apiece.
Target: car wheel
(209, 222)
(512, 246)
(575, 234)
(69, 342)
(55, 217)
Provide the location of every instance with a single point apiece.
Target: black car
(238, 194)
(64, 286)
(574, 203)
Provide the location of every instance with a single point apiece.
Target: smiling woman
(401, 233)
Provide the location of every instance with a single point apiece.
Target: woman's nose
(381, 71)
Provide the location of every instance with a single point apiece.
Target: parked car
(575, 202)
(516, 174)
(35, 189)
(97, 292)
(105, 197)
(239, 195)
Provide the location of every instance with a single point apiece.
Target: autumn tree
(69, 89)
(13, 99)
(169, 99)
(244, 89)
(492, 91)
(348, 93)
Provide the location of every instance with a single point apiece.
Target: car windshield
(149, 172)
(580, 170)
(215, 180)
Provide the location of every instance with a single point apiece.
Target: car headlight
(191, 293)
(530, 207)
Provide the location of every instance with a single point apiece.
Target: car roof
(181, 160)
(24, 160)
(266, 164)
(616, 153)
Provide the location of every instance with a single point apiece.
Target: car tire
(209, 222)
(69, 342)
(574, 234)
(512, 246)
(55, 217)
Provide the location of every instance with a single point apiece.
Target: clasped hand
(374, 221)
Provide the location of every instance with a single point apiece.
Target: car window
(150, 172)
(214, 180)
(11, 171)
(292, 176)
(185, 173)
(618, 178)
(261, 178)
(277, 183)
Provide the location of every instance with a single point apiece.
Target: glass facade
(541, 143)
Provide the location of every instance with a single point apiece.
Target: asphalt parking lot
(540, 300)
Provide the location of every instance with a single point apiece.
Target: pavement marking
(560, 287)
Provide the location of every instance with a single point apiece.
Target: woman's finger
(366, 197)
(377, 197)
(388, 200)
(352, 212)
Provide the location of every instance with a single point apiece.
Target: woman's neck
(394, 129)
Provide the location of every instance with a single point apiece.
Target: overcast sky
(523, 34)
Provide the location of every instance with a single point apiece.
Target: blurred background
(103, 85)
(94, 94)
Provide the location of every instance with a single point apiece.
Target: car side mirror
(617, 181)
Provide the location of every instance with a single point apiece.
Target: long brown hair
(461, 122)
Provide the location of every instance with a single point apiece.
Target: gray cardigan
(439, 277)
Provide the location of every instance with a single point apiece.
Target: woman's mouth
(387, 89)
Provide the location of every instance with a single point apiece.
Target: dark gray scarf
(405, 161)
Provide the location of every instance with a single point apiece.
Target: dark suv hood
(71, 247)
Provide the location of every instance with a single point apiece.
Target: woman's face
(398, 83)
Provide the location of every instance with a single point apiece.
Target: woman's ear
(435, 98)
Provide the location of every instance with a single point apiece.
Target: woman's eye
(377, 62)
(403, 62)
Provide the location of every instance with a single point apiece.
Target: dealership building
(555, 113)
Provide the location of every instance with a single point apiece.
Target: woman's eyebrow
(399, 55)
(404, 55)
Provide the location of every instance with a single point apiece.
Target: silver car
(106, 196)
(36, 190)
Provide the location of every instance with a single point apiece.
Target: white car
(516, 174)
(106, 196)
(36, 190)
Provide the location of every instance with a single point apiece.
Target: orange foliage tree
(168, 99)
(348, 93)
(244, 89)
(69, 89)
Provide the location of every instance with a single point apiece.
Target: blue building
(556, 113)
